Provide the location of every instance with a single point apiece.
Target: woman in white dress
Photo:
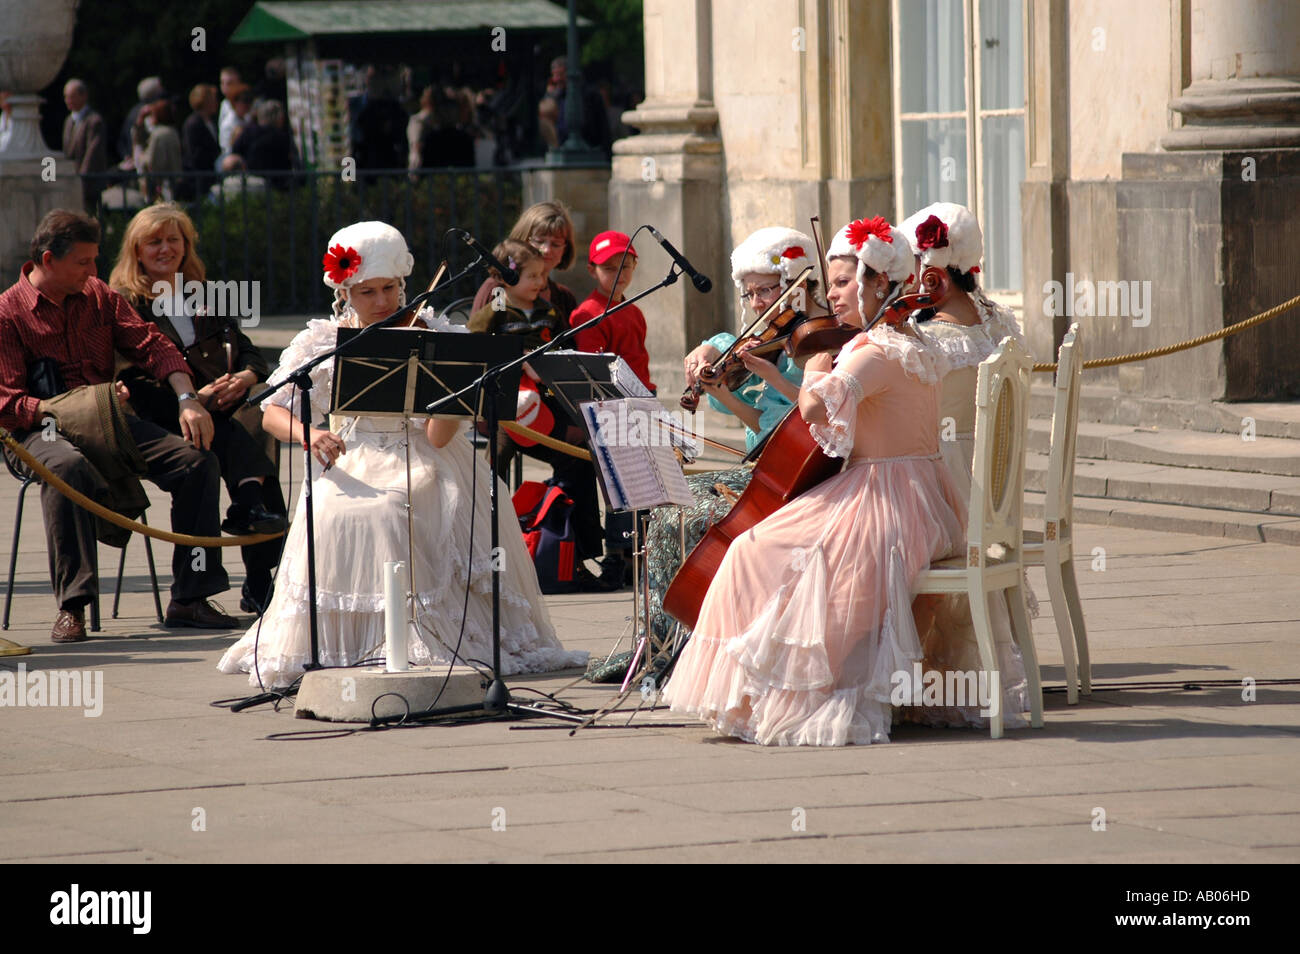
(359, 491)
(964, 331)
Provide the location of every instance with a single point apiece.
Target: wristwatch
(187, 396)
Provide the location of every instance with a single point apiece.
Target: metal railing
(272, 227)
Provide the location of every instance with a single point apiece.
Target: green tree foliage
(614, 47)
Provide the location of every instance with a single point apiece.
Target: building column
(670, 176)
(1209, 221)
(33, 177)
(1044, 202)
(1245, 77)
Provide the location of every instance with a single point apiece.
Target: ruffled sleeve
(841, 393)
(1000, 322)
(319, 335)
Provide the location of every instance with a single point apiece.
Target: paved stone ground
(1182, 775)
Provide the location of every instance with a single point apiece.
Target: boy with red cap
(622, 333)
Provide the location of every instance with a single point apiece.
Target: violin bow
(821, 256)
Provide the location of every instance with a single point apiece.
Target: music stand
(576, 377)
(401, 369)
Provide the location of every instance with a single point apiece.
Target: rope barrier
(573, 450)
(99, 510)
(1183, 345)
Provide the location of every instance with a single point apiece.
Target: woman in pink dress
(810, 615)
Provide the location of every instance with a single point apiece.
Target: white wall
(1119, 94)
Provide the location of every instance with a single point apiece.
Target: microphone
(508, 274)
(701, 282)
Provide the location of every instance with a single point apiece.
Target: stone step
(1107, 404)
(1203, 521)
(1155, 483)
(1194, 449)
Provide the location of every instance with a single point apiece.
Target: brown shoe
(200, 614)
(69, 627)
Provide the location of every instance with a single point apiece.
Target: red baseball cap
(608, 244)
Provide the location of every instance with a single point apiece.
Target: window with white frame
(959, 118)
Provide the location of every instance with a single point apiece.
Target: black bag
(44, 380)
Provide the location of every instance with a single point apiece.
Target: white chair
(996, 515)
(1053, 547)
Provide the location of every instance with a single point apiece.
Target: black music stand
(576, 377)
(400, 371)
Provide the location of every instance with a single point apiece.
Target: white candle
(395, 624)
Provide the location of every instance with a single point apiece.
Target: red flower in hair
(340, 264)
(932, 233)
(861, 230)
(794, 251)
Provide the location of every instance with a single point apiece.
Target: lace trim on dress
(841, 392)
(915, 355)
(968, 345)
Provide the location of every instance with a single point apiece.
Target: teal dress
(771, 404)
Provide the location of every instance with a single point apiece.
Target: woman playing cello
(810, 613)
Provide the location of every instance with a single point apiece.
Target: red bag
(545, 515)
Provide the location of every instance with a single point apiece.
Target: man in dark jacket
(83, 139)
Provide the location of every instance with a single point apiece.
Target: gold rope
(1183, 345)
(546, 441)
(99, 510)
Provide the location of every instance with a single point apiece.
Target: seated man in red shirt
(623, 334)
(58, 309)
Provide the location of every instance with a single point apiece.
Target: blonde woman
(158, 252)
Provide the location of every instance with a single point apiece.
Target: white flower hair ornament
(945, 235)
(772, 251)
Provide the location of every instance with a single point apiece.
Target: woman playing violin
(810, 613)
(762, 267)
(964, 329)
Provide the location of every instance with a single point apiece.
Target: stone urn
(33, 44)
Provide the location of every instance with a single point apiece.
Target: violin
(779, 319)
(936, 288)
(828, 334)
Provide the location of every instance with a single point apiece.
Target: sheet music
(622, 374)
(634, 454)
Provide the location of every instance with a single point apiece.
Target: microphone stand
(496, 700)
(301, 377)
